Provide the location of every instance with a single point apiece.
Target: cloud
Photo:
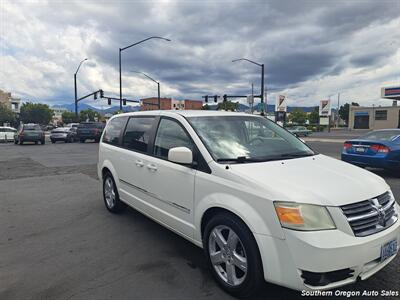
(311, 49)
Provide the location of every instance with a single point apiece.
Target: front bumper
(329, 251)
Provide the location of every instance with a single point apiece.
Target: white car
(260, 202)
(7, 133)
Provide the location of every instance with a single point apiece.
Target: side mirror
(180, 155)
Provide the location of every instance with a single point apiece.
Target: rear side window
(32, 127)
(137, 133)
(113, 130)
(169, 135)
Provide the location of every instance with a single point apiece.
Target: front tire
(232, 254)
(111, 196)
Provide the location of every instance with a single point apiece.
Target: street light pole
(120, 81)
(120, 68)
(158, 86)
(159, 99)
(262, 80)
(76, 93)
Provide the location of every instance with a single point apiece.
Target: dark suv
(90, 131)
(29, 133)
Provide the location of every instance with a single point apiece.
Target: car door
(130, 161)
(2, 133)
(169, 185)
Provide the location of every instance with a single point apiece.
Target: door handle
(152, 167)
(139, 163)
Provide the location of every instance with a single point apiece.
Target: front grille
(371, 216)
(322, 279)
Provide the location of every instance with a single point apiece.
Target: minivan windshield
(247, 139)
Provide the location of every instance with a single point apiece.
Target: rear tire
(111, 196)
(36, 142)
(236, 265)
(53, 141)
(42, 142)
(16, 142)
(81, 140)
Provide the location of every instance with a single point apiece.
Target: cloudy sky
(311, 49)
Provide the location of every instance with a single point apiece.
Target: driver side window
(170, 134)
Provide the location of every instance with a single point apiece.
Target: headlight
(306, 217)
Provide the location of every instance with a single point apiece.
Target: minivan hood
(315, 179)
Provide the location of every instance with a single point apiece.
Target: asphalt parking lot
(57, 241)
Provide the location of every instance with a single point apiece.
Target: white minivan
(259, 201)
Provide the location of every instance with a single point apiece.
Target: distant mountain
(84, 106)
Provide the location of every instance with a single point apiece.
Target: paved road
(57, 241)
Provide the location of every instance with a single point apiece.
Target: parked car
(65, 134)
(299, 130)
(75, 125)
(29, 133)
(90, 131)
(379, 149)
(260, 202)
(7, 133)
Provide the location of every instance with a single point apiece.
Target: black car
(29, 133)
(65, 134)
(90, 131)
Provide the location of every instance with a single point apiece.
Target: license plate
(388, 249)
(360, 149)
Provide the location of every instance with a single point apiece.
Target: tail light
(380, 148)
(347, 146)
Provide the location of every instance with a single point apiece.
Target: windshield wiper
(296, 155)
(240, 159)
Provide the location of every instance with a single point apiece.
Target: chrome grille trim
(371, 216)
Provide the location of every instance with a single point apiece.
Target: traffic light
(215, 98)
(206, 99)
(95, 96)
(124, 101)
(109, 101)
(225, 98)
(101, 94)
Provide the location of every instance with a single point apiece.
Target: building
(11, 102)
(57, 115)
(380, 117)
(376, 117)
(169, 104)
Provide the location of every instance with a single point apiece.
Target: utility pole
(262, 90)
(76, 93)
(337, 112)
(252, 97)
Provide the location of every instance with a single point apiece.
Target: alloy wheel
(109, 192)
(227, 255)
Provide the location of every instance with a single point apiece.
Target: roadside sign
(325, 108)
(392, 92)
(281, 103)
(250, 99)
(323, 121)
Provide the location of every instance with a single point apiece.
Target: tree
(298, 116)
(69, 117)
(205, 107)
(228, 105)
(36, 113)
(344, 111)
(314, 116)
(6, 115)
(89, 114)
